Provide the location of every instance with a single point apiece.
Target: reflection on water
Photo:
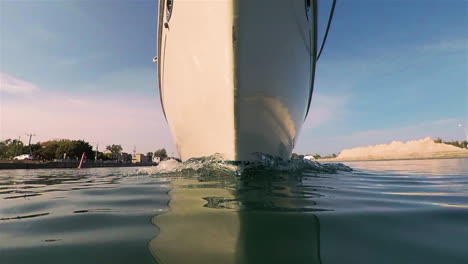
(256, 223)
(379, 213)
(277, 224)
(382, 212)
(192, 231)
(78, 216)
(432, 167)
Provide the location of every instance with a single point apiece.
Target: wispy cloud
(41, 33)
(15, 86)
(450, 45)
(129, 120)
(142, 79)
(325, 108)
(72, 61)
(445, 128)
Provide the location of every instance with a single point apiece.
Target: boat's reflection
(260, 220)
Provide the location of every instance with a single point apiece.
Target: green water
(382, 212)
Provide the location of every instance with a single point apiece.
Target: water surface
(413, 211)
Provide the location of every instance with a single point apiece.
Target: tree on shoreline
(48, 150)
(459, 144)
(115, 149)
(161, 153)
(64, 148)
(10, 148)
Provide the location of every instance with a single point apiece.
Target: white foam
(216, 164)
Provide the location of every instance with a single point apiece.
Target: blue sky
(391, 70)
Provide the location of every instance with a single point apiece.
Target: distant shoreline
(31, 165)
(419, 149)
(390, 159)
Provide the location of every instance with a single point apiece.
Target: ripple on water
(87, 216)
(278, 212)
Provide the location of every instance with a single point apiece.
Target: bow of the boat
(235, 75)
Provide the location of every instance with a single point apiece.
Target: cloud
(73, 61)
(129, 120)
(15, 86)
(120, 107)
(450, 45)
(325, 108)
(445, 128)
(142, 79)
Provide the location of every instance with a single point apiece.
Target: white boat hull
(235, 75)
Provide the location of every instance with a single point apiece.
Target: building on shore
(125, 157)
(108, 155)
(140, 158)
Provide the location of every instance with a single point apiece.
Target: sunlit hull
(236, 75)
